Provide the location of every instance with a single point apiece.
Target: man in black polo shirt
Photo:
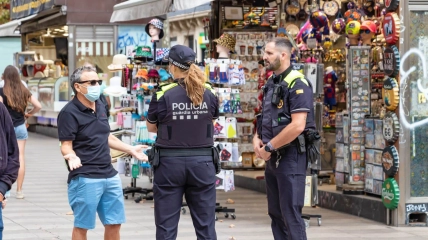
(94, 186)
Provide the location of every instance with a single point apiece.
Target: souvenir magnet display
(390, 93)
(390, 193)
(391, 28)
(391, 61)
(390, 161)
(330, 7)
(391, 127)
(391, 5)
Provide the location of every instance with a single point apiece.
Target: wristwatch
(269, 147)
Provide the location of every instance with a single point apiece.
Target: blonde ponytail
(194, 82)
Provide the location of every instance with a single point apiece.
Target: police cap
(181, 56)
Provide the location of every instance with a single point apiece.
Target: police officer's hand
(263, 154)
(137, 152)
(73, 161)
(257, 144)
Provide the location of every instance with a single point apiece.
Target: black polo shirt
(89, 132)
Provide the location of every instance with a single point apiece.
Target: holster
(216, 157)
(153, 156)
(312, 138)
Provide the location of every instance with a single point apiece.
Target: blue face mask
(170, 73)
(93, 93)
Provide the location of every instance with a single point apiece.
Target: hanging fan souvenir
(303, 14)
(331, 7)
(292, 29)
(369, 8)
(292, 8)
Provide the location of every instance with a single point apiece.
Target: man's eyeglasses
(93, 82)
(366, 31)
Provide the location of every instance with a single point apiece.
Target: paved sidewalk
(42, 214)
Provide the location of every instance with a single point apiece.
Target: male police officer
(287, 113)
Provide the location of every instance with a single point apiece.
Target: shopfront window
(416, 110)
(98, 54)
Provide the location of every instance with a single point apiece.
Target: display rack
(359, 105)
(374, 145)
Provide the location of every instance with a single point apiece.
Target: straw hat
(118, 61)
(226, 41)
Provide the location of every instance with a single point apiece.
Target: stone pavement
(42, 214)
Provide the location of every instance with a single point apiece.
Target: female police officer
(182, 114)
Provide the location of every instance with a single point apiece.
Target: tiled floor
(42, 214)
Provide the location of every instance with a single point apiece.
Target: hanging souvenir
(338, 25)
(369, 8)
(303, 13)
(390, 161)
(331, 7)
(352, 15)
(391, 127)
(390, 193)
(292, 8)
(390, 94)
(391, 28)
(391, 61)
(392, 5)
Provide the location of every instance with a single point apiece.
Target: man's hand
(3, 203)
(257, 144)
(137, 152)
(263, 154)
(73, 161)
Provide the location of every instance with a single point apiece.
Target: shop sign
(24, 8)
(390, 94)
(390, 193)
(391, 127)
(391, 61)
(391, 28)
(390, 161)
(392, 5)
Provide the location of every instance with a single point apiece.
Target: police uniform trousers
(193, 176)
(285, 188)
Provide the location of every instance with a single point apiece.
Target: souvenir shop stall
(368, 129)
(237, 70)
(349, 51)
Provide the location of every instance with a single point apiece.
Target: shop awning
(142, 9)
(8, 29)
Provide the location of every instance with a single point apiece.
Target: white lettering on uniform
(179, 110)
(188, 106)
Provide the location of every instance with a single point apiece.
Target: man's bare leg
(111, 232)
(79, 233)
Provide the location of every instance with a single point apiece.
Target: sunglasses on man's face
(93, 82)
(366, 31)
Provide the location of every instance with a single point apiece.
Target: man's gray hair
(75, 76)
(282, 42)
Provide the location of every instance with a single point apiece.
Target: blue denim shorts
(88, 196)
(21, 132)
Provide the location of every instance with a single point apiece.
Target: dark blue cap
(181, 56)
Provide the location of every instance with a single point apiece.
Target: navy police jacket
(181, 124)
(297, 97)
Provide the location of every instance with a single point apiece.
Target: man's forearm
(117, 144)
(65, 149)
(287, 135)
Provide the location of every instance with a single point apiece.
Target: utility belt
(305, 143)
(155, 153)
